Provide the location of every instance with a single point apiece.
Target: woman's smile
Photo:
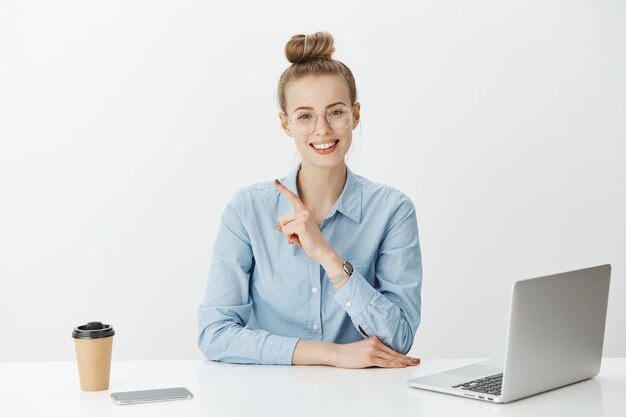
(325, 148)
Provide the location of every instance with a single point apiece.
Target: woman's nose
(322, 127)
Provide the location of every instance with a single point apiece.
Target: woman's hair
(312, 55)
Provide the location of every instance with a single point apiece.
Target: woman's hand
(370, 352)
(301, 228)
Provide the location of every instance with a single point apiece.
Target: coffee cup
(93, 343)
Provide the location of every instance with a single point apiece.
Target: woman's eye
(304, 116)
(336, 112)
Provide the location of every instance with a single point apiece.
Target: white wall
(126, 125)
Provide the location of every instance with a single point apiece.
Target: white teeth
(325, 145)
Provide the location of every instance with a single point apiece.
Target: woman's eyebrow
(311, 108)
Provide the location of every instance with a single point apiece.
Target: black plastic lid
(93, 330)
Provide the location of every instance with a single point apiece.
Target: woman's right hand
(370, 352)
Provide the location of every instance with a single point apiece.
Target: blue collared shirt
(264, 294)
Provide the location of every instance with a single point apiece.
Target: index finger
(290, 195)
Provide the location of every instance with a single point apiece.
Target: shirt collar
(348, 203)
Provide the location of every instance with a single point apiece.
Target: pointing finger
(293, 198)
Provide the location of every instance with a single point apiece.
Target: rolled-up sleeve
(226, 307)
(390, 310)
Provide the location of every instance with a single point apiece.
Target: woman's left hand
(300, 227)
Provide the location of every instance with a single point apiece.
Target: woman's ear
(284, 123)
(356, 114)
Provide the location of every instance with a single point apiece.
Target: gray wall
(126, 126)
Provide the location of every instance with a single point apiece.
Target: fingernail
(276, 182)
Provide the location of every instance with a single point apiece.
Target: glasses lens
(303, 122)
(339, 117)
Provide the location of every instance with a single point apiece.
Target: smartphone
(151, 395)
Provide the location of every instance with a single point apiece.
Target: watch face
(347, 267)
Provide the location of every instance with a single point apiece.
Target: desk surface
(52, 388)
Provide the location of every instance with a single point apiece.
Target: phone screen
(164, 394)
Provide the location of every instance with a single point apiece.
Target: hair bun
(304, 47)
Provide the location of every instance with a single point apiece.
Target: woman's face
(320, 94)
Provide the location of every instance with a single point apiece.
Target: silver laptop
(555, 338)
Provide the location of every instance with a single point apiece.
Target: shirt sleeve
(227, 305)
(391, 311)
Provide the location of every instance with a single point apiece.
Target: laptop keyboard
(488, 385)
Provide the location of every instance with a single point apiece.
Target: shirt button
(314, 289)
(314, 326)
(348, 303)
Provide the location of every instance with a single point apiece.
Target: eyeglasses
(303, 122)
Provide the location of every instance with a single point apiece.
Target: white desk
(52, 388)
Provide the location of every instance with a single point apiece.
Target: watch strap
(339, 277)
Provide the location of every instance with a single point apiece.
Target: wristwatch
(347, 271)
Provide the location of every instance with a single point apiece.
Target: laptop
(555, 338)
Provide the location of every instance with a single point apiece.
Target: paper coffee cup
(93, 343)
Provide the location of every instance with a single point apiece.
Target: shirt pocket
(282, 284)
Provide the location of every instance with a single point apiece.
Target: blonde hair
(312, 55)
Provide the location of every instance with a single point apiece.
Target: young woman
(324, 266)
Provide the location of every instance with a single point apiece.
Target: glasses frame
(316, 118)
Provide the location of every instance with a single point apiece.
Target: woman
(324, 266)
